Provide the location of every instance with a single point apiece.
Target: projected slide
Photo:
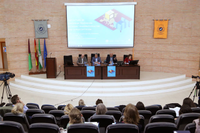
(100, 26)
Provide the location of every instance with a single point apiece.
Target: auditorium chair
(161, 118)
(195, 110)
(82, 128)
(125, 56)
(166, 111)
(48, 108)
(103, 120)
(11, 127)
(64, 120)
(31, 105)
(31, 112)
(87, 114)
(147, 115)
(80, 107)
(84, 55)
(190, 127)
(57, 114)
(121, 107)
(20, 118)
(117, 114)
(171, 105)
(60, 107)
(112, 108)
(153, 108)
(44, 128)
(160, 127)
(89, 108)
(43, 118)
(122, 128)
(185, 119)
(141, 122)
(4, 110)
(9, 104)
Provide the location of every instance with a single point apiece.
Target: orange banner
(160, 28)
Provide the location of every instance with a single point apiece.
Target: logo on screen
(114, 20)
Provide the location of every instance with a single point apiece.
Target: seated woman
(75, 117)
(18, 108)
(140, 106)
(98, 101)
(131, 116)
(81, 103)
(68, 108)
(101, 109)
(128, 59)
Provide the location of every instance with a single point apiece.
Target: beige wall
(179, 53)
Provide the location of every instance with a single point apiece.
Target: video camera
(6, 76)
(195, 77)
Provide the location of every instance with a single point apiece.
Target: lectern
(51, 67)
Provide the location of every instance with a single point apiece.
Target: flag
(160, 28)
(36, 55)
(39, 55)
(45, 54)
(29, 56)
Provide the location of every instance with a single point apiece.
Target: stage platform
(152, 88)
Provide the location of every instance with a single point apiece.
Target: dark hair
(140, 106)
(185, 109)
(99, 101)
(14, 99)
(189, 102)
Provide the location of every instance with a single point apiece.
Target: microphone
(50, 54)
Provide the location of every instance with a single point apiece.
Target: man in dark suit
(111, 59)
(82, 59)
(96, 59)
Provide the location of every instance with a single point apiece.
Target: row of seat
(38, 116)
(158, 127)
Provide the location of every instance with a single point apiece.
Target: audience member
(18, 108)
(131, 116)
(99, 101)
(68, 108)
(189, 102)
(185, 109)
(140, 106)
(196, 121)
(101, 109)
(15, 99)
(75, 117)
(81, 102)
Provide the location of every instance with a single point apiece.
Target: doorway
(3, 55)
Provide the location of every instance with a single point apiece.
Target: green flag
(39, 55)
(29, 56)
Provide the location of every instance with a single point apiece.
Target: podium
(51, 68)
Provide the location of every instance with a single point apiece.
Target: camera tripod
(6, 88)
(196, 86)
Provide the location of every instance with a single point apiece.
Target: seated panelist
(96, 59)
(128, 59)
(111, 59)
(82, 59)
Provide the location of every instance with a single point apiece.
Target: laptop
(134, 62)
